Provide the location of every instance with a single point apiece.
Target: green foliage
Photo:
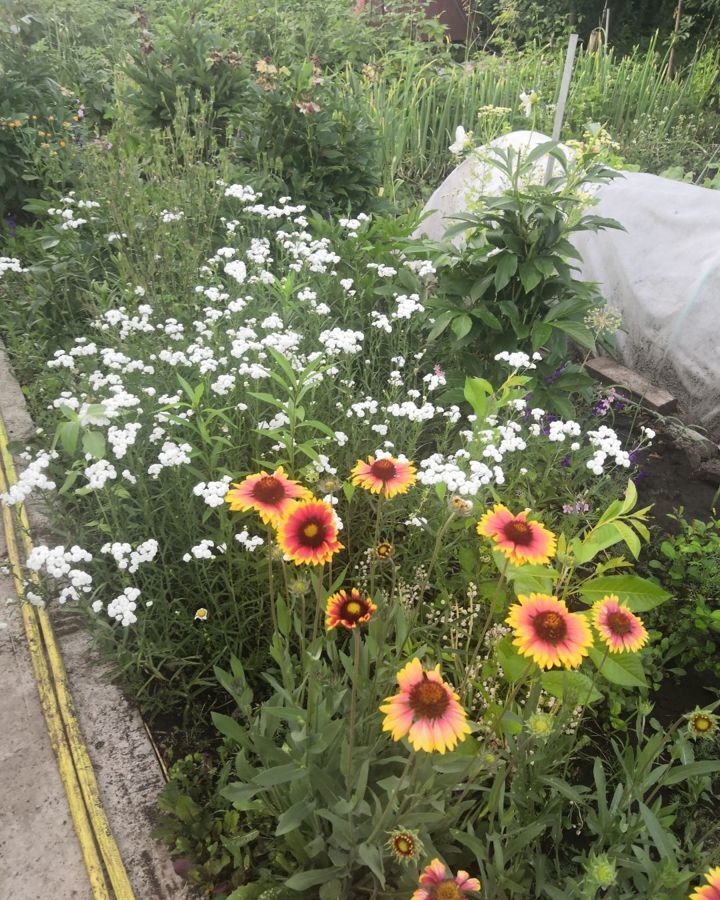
(183, 59)
(689, 564)
(313, 132)
(511, 282)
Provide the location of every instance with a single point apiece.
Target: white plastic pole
(562, 99)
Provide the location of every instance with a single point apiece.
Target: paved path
(39, 853)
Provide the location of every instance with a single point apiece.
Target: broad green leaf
(293, 817)
(93, 442)
(301, 881)
(637, 593)
(280, 775)
(461, 325)
(506, 267)
(624, 669)
(698, 769)
(228, 726)
(514, 666)
(572, 686)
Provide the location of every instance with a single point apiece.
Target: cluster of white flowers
(439, 469)
(32, 478)
(171, 215)
(122, 608)
(10, 264)
(213, 492)
(242, 192)
(248, 541)
(60, 563)
(127, 558)
(609, 446)
(121, 438)
(236, 269)
(518, 360)
(99, 473)
(337, 341)
(170, 455)
(204, 550)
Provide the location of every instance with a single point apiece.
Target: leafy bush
(689, 563)
(512, 281)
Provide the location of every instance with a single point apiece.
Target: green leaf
(477, 391)
(578, 332)
(571, 686)
(69, 434)
(530, 276)
(280, 775)
(662, 838)
(293, 817)
(699, 769)
(506, 267)
(514, 666)
(461, 325)
(228, 726)
(637, 593)
(93, 442)
(301, 881)
(623, 669)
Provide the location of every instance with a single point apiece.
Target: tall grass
(419, 103)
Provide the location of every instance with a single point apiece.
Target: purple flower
(11, 225)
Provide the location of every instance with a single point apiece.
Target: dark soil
(669, 482)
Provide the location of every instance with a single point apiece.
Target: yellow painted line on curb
(89, 818)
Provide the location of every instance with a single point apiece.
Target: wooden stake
(562, 99)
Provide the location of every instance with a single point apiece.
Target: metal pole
(562, 99)
(607, 26)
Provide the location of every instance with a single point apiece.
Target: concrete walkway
(39, 853)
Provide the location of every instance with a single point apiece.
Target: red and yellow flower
(547, 632)
(426, 710)
(308, 533)
(271, 495)
(619, 628)
(348, 608)
(437, 882)
(388, 475)
(522, 540)
(711, 890)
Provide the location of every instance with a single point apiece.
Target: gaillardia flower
(522, 540)
(271, 495)
(548, 633)
(404, 845)
(348, 608)
(387, 475)
(426, 710)
(308, 533)
(438, 883)
(711, 890)
(620, 629)
(702, 724)
(384, 550)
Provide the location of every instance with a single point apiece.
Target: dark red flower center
(429, 699)
(384, 469)
(312, 533)
(269, 489)
(550, 626)
(619, 623)
(447, 890)
(519, 532)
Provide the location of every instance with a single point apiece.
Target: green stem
(271, 586)
(353, 706)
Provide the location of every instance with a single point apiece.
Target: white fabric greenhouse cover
(662, 273)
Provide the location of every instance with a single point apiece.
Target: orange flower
(519, 538)
(348, 608)
(548, 633)
(308, 533)
(271, 495)
(620, 629)
(426, 710)
(711, 890)
(387, 475)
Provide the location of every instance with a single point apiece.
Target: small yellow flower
(201, 614)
